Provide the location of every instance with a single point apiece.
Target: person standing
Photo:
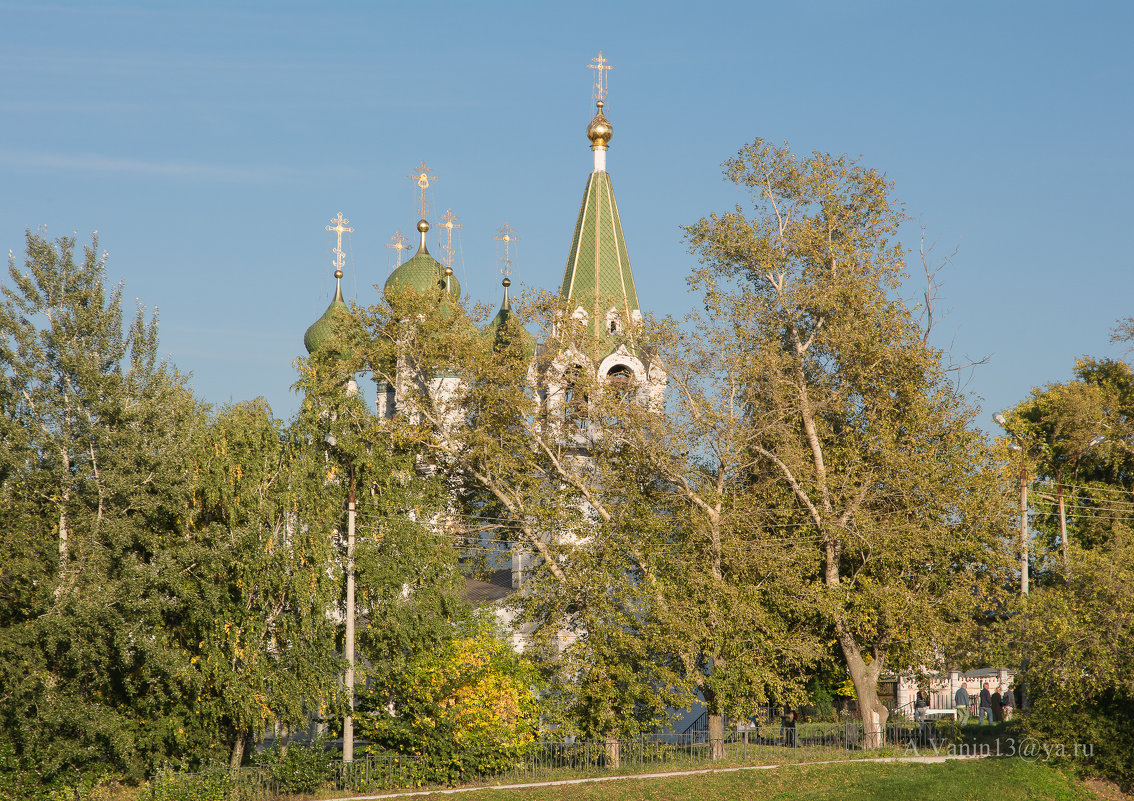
(1008, 700)
(920, 707)
(961, 701)
(985, 709)
(998, 705)
(788, 727)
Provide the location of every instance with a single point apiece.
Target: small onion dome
(600, 130)
(322, 332)
(505, 327)
(422, 273)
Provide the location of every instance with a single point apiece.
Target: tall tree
(1063, 431)
(406, 566)
(471, 405)
(1076, 636)
(256, 579)
(97, 433)
(733, 603)
(853, 418)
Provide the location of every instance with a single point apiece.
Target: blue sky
(210, 143)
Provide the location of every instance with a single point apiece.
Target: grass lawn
(958, 780)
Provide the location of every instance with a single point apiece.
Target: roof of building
(321, 332)
(506, 325)
(422, 273)
(598, 275)
(598, 266)
(497, 585)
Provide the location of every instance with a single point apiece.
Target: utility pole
(1018, 445)
(1074, 460)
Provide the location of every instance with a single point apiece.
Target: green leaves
(854, 433)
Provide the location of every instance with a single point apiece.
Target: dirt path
(666, 774)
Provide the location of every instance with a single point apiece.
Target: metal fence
(545, 761)
(751, 745)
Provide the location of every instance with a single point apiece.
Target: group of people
(996, 706)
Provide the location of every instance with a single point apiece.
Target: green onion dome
(322, 332)
(423, 273)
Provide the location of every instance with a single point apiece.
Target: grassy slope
(970, 780)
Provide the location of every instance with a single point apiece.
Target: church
(597, 286)
(598, 333)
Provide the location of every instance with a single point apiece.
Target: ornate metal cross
(339, 226)
(507, 236)
(400, 243)
(450, 223)
(600, 67)
(424, 178)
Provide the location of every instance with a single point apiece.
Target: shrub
(213, 784)
(300, 769)
(1103, 729)
(464, 709)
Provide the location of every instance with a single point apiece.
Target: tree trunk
(64, 531)
(237, 753)
(716, 736)
(865, 677)
(613, 749)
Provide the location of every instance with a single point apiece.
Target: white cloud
(115, 164)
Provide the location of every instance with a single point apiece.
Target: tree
(96, 435)
(1075, 634)
(731, 603)
(856, 433)
(405, 561)
(252, 586)
(472, 408)
(1064, 429)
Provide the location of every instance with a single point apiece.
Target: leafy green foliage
(299, 768)
(96, 439)
(1075, 634)
(171, 570)
(464, 707)
(859, 443)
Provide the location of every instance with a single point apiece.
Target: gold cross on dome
(450, 223)
(600, 67)
(400, 243)
(507, 236)
(424, 178)
(339, 226)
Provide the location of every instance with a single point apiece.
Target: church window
(575, 410)
(620, 379)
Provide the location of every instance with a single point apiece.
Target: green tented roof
(598, 268)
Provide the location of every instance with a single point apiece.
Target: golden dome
(600, 130)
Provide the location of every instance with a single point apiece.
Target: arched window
(575, 410)
(620, 379)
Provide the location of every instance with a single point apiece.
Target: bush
(301, 769)
(464, 709)
(1104, 730)
(214, 784)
